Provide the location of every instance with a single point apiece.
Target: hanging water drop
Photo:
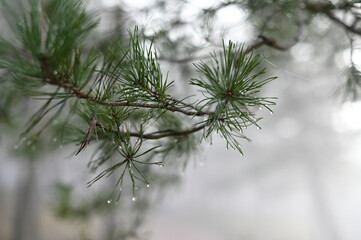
(134, 199)
(258, 127)
(260, 108)
(161, 165)
(271, 112)
(109, 201)
(148, 185)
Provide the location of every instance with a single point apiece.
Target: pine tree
(118, 100)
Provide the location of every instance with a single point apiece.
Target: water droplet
(258, 127)
(148, 185)
(241, 154)
(271, 112)
(120, 147)
(55, 72)
(109, 201)
(134, 199)
(162, 165)
(260, 108)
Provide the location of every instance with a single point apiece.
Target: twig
(160, 134)
(327, 8)
(87, 137)
(83, 95)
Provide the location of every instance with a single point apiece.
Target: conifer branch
(125, 92)
(159, 134)
(83, 95)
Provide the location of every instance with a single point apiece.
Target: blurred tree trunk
(26, 208)
(323, 211)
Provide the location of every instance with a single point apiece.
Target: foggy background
(299, 178)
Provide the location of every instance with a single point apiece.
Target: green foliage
(232, 84)
(350, 89)
(120, 97)
(133, 74)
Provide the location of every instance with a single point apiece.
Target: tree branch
(327, 8)
(159, 134)
(264, 40)
(83, 95)
(170, 133)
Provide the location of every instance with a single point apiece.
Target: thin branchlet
(83, 95)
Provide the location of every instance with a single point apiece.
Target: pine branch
(125, 93)
(78, 93)
(328, 8)
(159, 134)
